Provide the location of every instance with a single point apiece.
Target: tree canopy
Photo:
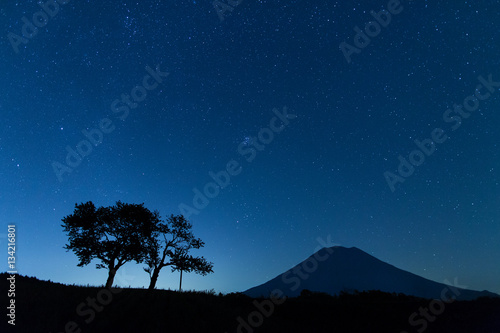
(170, 246)
(114, 235)
(124, 232)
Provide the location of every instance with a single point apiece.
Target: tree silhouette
(114, 235)
(169, 245)
(186, 263)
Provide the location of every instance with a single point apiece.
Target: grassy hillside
(43, 306)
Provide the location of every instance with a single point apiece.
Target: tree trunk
(111, 277)
(154, 278)
(180, 283)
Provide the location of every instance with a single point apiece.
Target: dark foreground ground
(43, 306)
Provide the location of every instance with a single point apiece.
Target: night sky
(319, 173)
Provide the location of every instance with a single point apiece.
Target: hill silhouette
(44, 306)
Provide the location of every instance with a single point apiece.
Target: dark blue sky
(321, 176)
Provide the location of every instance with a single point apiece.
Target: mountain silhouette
(336, 269)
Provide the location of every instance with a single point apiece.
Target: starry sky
(320, 179)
